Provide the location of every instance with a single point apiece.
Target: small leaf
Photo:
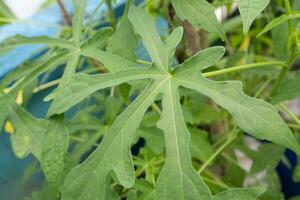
(241, 194)
(249, 10)
(200, 13)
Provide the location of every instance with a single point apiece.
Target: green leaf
(254, 116)
(200, 13)
(280, 39)
(82, 85)
(241, 194)
(203, 59)
(64, 83)
(289, 90)
(29, 132)
(132, 195)
(54, 148)
(154, 139)
(22, 40)
(160, 53)
(90, 180)
(78, 18)
(99, 39)
(267, 155)
(124, 41)
(112, 62)
(48, 65)
(278, 21)
(249, 10)
(178, 179)
(200, 147)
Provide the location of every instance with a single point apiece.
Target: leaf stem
(231, 137)
(244, 67)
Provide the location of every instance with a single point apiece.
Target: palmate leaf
(178, 179)
(249, 10)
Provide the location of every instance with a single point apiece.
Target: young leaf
(199, 13)
(54, 148)
(249, 10)
(241, 194)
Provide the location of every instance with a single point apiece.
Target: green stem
(295, 126)
(290, 113)
(231, 137)
(289, 12)
(284, 71)
(112, 17)
(156, 108)
(244, 67)
(262, 88)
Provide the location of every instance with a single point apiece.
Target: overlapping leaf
(178, 179)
